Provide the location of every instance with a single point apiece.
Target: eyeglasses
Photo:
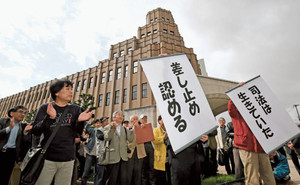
(21, 112)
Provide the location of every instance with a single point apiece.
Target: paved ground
(294, 174)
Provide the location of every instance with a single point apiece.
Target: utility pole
(296, 105)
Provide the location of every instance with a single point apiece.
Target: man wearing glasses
(13, 134)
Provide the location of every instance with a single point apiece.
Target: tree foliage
(85, 101)
(30, 116)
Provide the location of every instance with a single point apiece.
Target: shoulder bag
(33, 162)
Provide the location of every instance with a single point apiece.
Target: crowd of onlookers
(110, 149)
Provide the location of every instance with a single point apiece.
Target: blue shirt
(11, 143)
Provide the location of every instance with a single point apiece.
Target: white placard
(265, 116)
(179, 98)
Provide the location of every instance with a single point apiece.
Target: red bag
(144, 133)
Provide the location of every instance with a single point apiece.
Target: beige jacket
(141, 153)
(118, 144)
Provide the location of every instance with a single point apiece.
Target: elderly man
(148, 175)
(13, 139)
(136, 155)
(118, 137)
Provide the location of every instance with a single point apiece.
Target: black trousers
(148, 175)
(7, 162)
(117, 173)
(135, 169)
(186, 167)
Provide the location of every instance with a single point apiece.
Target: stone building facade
(118, 83)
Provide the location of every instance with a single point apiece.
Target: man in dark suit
(13, 139)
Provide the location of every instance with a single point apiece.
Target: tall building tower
(118, 83)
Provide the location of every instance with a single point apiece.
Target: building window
(91, 82)
(124, 95)
(162, 18)
(107, 99)
(135, 67)
(143, 35)
(100, 100)
(172, 32)
(103, 78)
(144, 90)
(129, 49)
(117, 97)
(151, 20)
(119, 71)
(114, 55)
(78, 86)
(149, 33)
(96, 78)
(168, 20)
(165, 31)
(83, 84)
(134, 92)
(126, 71)
(154, 31)
(155, 19)
(110, 75)
(121, 52)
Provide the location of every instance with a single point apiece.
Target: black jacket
(22, 141)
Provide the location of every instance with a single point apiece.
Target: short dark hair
(14, 109)
(125, 122)
(58, 85)
(159, 118)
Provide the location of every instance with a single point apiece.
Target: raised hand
(28, 127)
(114, 125)
(204, 138)
(84, 116)
(51, 111)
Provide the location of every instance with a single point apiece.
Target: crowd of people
(113, 154)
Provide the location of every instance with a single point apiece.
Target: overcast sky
(43, 40)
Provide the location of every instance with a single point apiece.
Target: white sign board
(265, 116)
(180, 99)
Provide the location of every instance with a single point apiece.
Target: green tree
(85, 101)
(30, 115)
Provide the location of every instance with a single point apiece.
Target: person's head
(125, 123)
(134, 119)
(104, 120)
(161, 123)
(222, 122)
(18, 113)
(98, 123)
(272, 155)
(62, 90)
(118, 117)
(143, 118)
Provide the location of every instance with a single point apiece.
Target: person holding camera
(92, 150)
(118, 136)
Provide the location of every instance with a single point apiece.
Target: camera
(83, 139)
(128, 150)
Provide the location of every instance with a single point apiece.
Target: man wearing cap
(13, 140)
(92, 151)
(148, 175)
